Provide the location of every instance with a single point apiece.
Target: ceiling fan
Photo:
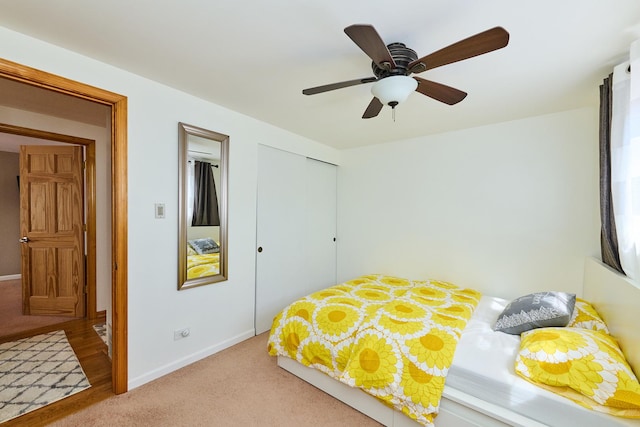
(392, 64)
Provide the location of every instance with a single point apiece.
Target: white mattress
(483, 367)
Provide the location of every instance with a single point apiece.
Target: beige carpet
(240, 386)
(12, 320)
(37, 371)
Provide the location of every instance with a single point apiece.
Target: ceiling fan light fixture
(393, 90)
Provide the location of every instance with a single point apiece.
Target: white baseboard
(181, 363)
(10, 277)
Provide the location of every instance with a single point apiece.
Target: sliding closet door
(320, 248)
(281, 205)
(296, 226)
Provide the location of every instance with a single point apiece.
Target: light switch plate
(159, 210)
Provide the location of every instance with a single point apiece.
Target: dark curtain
(608, 237)
(205, 199)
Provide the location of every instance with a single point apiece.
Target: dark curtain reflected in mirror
(205, 198)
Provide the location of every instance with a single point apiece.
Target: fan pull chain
(393, 114)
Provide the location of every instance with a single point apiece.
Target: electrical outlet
(178, 334)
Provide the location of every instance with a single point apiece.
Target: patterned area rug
(101, 330)
(37, 371)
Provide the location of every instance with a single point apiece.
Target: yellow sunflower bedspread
(203, 265)
(394, 338)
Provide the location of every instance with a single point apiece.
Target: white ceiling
(255, 57)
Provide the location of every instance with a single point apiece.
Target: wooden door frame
(89, 198)
(119, 226)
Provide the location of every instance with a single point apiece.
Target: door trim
(119, 225)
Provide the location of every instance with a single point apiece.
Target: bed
(203, 258)
(203, 265)
(481, 387)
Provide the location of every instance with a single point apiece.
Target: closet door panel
(320, 225)
(280, 264)
(296, 226)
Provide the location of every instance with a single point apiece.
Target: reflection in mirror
(202, 247)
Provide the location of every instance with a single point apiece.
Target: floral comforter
(203, 265)
(393, 338)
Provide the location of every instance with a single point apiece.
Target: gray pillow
(538, 310)
(204, 246)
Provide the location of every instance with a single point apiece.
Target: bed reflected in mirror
(203, 164)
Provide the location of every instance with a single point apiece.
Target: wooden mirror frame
(185, 131)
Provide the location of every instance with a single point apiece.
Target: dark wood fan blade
(373, 109)
(487, 41)
(339, 85)
(440, 92)
(368, 39)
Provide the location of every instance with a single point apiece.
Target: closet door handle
(259, 248)
(24, 239)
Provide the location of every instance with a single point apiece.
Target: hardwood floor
(92, 354)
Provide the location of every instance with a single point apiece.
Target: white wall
(218, 315)
(507, 209)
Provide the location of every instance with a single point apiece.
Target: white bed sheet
(483, 367)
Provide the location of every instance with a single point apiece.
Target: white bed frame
(615, 297)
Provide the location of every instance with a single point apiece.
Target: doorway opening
(18, 318)
(118, 105)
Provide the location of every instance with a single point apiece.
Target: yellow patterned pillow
(583, 365)
(585, 316)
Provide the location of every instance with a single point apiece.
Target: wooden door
(52, 230)
(296, 227)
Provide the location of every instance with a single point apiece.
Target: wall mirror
(202, 242)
